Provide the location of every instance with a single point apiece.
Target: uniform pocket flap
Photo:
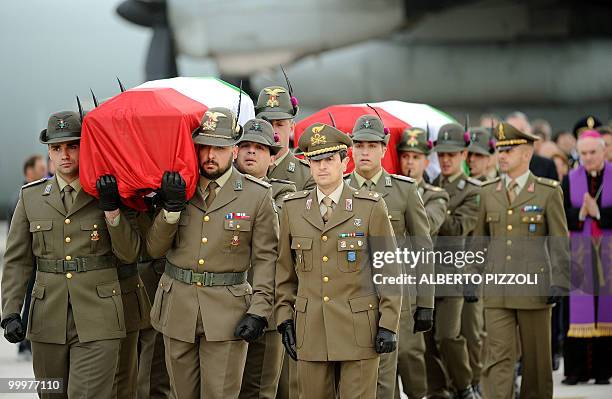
(165, 282)
(351, 244)
(240, 289)
(301, 243)
(237, 225)
(395, 215)
(41, 225)
(38, 291)
(364, 303)
(108, 289)
(300, 304)
(96, 224)
(492, 217)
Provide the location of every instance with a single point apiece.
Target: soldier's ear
(235, 152)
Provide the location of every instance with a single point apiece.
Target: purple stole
(584, 323)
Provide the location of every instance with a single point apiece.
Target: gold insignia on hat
(317, 129)
(590, 122)
(318, 138)
(412, 141)
(213, 119)
(500, 132)
(273, 96)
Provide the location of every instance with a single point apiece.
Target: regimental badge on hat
(317, 138)
(212, 118)
(273, 96)
(413, 134)
(501, 135)
(62, 124)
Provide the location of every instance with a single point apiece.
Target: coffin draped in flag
(396, 116)
(143, 132)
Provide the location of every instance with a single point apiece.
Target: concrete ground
(12, 366)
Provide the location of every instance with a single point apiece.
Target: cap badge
(500, 132)
(412, 141)
(366, 124)
(590, 122)
(213, 119)
(62, 124)
(273, 96)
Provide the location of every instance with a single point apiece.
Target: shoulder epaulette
(433, 188)
(475, 182)
(347, 175)
(547, 182)
(304, 162)
(258, 181)
(34, 183)
(403, 178)
(491, 181)
(296, 195)
(273, 180)
(365, 194)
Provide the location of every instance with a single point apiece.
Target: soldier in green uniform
(481, 159)
(153, 381)
(76, 316)
(256, 150)
(525, 219)
(333, 318)
(410, 225)
(204, 305)
(483, 166)
(449, 354)
(275, 105)
(136, 308)
(413, 149)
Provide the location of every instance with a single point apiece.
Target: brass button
(161, 284)
(67, 239)
(448, 212)
(371, 306)
(510, 212)
(299, 246)
(38, 227)
(138, 285)
(201, 261)
(324, 238)
(326, 279)
(114, 292)
(389, 216)
(509, 242)
(204, 240)
(542, 269)
(68, 275)
(199, 284)
(206, 218)
(238, 226)
(95, 226)
(326, 298)
(509, 227)
(508, 257)
(67, 221)
(68, 257)
(325, 259)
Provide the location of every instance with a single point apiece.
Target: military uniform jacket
(410, 225)
(326, 277)
(519, 242)
(435, 200)
(462, 210)
(238, 231)
(293, 169)
(41, 228)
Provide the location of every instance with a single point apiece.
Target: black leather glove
(287, 330)
(469, 293)
(13, 328)
(556, 294)
(386, 341)
(108, 192)
(423, 319)
(173, 191)
(251, 327)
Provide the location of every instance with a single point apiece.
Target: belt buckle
(71, 266)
